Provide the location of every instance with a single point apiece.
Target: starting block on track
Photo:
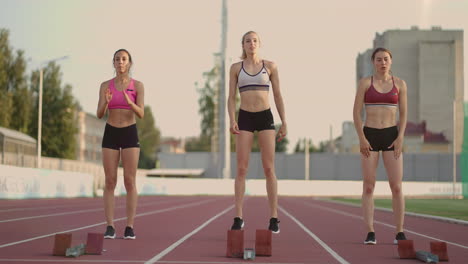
(263, 242)
(427, 257)
(76, 251)
(235, 244)
(94, 244)
(439, 249)
(249, 253)
(406, 249)
(61, 243)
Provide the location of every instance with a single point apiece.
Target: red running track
(193, 230)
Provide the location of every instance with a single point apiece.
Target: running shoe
(274, 225)
(129, 233)
(238, 224)
(399, 236)
(110, 232)
(370, 239)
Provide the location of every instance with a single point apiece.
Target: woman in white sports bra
(253, 77)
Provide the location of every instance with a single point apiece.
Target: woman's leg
(110, 161)
(244, 142)
(369, 171)
(394, 168)
(266, 140)
(130, 158)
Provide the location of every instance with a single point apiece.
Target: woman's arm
(357, 108)
(275, 84)
(139, 106)
(104, 98)
(231, 103)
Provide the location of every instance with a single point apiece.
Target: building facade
(89, 137)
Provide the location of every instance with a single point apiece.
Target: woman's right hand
(365, 147)
(108, 96)
(234, 128)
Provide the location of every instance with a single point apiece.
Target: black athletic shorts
(381, 138)
(120, 137)
(251, 121)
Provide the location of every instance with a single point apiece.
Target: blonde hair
(244, 55)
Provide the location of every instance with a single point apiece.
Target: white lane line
(43, 207)
(217, 262)
(315, 237)
(384, 224)
(68, 260)
(75, 204)
(101, 223)
(135, 261)
(433, 217)
(180, 241)
(73, 212)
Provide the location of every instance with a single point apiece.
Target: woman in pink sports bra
(253, 77)
(123, 98)
(384, 98)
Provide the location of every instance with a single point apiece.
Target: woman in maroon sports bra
(384, 97)
(123, 97)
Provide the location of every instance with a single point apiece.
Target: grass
(457, 209)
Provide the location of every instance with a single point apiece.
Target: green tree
(208, 103)
(58, 114)
(149, 136)
(300, 146)
(22, 95)
(198, 144)
(6, 94)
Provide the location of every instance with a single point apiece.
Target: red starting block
(439, 249)
(61, 243)
(406, 249)
(235, 244)
(94, 243)
(263, 242)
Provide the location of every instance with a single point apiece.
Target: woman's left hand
(398, 145)
(283, 131)
(129, 102)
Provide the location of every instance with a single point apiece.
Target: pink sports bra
(118, 100)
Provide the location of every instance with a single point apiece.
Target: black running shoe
(399, 236)
(129, 233)
(274, 225)
(238, 224)
(370, 239)
(110, 232)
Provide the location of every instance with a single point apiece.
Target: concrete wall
(323, 166)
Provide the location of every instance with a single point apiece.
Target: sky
(314, 43)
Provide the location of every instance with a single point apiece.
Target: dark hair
(379, 50)
(244, 55)
(129, 56)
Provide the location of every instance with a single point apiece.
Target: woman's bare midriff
(380, 116)
(254, 101)
(121, 117)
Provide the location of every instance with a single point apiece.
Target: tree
(22, 95)
(149, 136)
(208, 103)
(58, 114)
(6, 94)
(15, 97)
(300, 146)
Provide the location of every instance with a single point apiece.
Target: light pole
(224, 161)
(39, 119)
